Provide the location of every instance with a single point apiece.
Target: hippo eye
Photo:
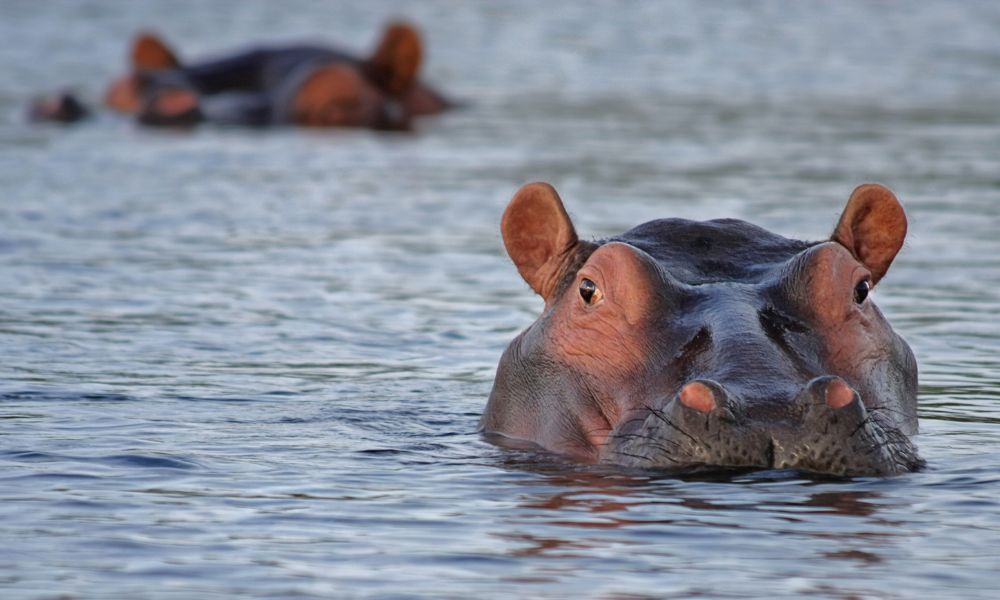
(589, 291)
(861, 291)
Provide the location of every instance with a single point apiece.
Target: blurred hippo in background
(61, 107)
(304, 85)
(689, 345)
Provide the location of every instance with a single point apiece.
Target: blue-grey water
(244, 363)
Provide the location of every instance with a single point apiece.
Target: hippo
(61, 107)
(300, 84)
(688, 346)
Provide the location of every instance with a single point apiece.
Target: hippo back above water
(688, 345)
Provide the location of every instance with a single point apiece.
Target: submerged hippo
(688, 345)
(298, 84)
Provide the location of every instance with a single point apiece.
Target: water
(251, 363)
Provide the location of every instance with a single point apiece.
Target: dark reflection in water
(250, 364)
(677, 533)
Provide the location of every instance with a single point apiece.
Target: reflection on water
(246, 363)
(688, 528)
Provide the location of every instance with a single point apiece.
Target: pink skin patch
(175, 102)
(698, 396)
(838, 394)
(123, 95)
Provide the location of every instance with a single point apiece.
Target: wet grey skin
(742, 364)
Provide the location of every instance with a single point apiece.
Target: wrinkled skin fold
(688, 345)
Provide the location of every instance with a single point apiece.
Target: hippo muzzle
(687, 345)
(825, 429)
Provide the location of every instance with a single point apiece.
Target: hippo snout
(839, 435)
(702, 425)
(824, 428)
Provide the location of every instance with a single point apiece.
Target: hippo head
(688, 345)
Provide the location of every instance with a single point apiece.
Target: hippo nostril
(698, 396)
(838, 393)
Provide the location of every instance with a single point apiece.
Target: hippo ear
(396, 61)
(872, 227)
(539, 236)
(150, 52)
